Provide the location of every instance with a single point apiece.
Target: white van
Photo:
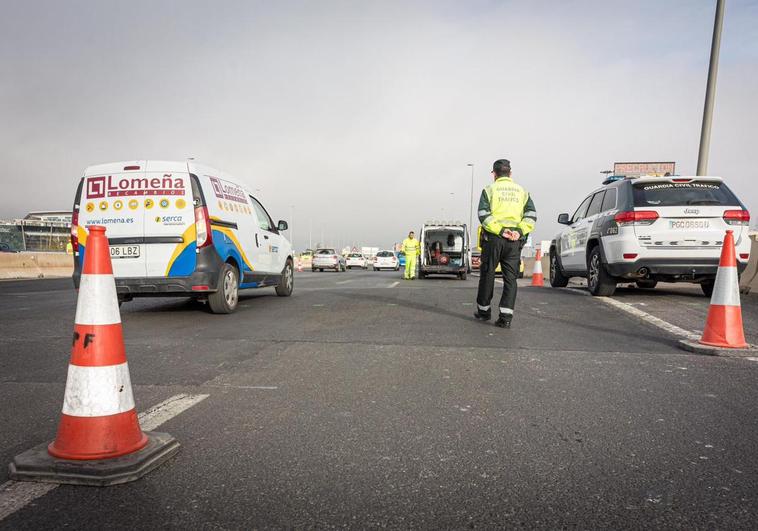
(181, 229)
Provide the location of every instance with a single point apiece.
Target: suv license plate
(125, 251)
(686, 224)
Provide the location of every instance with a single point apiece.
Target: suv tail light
(737, 217)
(636, 217)
(75, 231)
(203, 227)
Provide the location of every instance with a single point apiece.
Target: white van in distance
(181, 229)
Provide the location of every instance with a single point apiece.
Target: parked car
(647, 230)
(328, 258)
(386, 260)
(180, 229)
(401, 258)
(356, 260)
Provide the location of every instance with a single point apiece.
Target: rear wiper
(703, 202)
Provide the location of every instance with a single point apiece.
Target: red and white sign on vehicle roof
(636, 169)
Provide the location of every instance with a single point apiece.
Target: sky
(356, 120)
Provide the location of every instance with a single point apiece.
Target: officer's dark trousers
(507, 253)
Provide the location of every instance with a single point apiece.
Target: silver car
(328, 259)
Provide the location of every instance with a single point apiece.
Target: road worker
(412, 249)
(507, 214)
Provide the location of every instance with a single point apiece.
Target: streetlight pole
(471, 204)
(710, 91)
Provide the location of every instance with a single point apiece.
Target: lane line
(15, 495)
(394, 284)
(636, 312)
(344, 281)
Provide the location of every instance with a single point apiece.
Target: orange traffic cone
(99, 440)
(723, 327)
(537, 277)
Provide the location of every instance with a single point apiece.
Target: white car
(356, 260)
(179, 229)
(386, 260)
(328, 259)
(650, 229)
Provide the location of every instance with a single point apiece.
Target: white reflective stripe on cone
(98, 302)
(726, 290)
(98, 391)
(538, 266)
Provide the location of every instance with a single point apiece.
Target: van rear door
(107, 200)
(169, 221)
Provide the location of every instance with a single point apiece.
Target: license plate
(125, 251)
(685, 224)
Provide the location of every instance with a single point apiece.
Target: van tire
(226, 296)
(599, 282)
(557, 278)
(646, 284)
(285, 287)
(462, 276)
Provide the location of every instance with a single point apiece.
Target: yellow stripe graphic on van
(188, 238)
(229, 234)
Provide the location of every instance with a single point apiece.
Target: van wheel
(557, 278)
(225, 299)
(284, 289)
(599, 282)
(707, 287)
(646, 284)
(462, 276)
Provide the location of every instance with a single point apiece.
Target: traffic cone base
(723, 328)
(99, 440)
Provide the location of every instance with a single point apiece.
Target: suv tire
(284, 289)
(226, 297)
(646, 284)
(707, 287)
(557, 278)
(599, 282)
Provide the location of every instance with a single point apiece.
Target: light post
(710, 91)
(471, 203)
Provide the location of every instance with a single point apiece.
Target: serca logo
(96, 187)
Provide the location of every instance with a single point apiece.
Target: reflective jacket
(506, 205)
(411, 247)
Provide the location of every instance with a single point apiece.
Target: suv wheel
(599, 282)
(557, 278)
(707, 287)
(284, 289)
(225, 299)
(647, 284)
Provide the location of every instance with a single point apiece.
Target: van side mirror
(282, 225)
(563, 219)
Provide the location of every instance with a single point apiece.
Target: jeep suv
(649, 229)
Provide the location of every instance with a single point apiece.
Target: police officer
(507, 214)
(412, 249)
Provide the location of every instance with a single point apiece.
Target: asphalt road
(368, 401)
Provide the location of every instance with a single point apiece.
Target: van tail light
(636, 217)
(737, 217)
(75, 231)
(203, 227)
(744, 256)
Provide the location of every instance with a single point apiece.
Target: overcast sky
(364, 115)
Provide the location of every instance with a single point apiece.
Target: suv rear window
(325, 251)
(682, 194)
(385, 253)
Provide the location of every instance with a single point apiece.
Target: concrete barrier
(749, 278)
(35, 265)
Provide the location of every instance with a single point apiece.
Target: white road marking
(15, 495)
(344, 281)
(394, 284)
(651, 319)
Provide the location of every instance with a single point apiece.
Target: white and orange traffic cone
(99, 437)
(723, 333)
(723, 326)
(538, 279)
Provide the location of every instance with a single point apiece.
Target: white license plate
(125, 251)
(688, 224)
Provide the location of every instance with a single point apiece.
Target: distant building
(47, 230)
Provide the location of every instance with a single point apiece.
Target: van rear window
(682, 194)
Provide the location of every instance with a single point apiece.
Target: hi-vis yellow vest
(411, 247)
(506, 205)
